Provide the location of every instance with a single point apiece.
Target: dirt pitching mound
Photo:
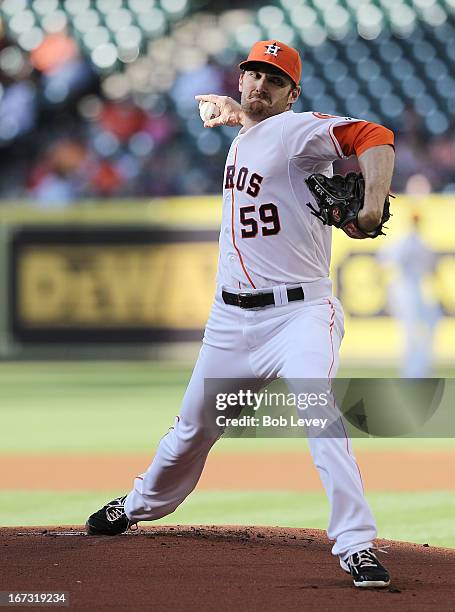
(215, 568)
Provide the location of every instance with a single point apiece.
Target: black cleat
(366, 570)
(110, 520)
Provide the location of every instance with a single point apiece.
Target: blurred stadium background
(97, 96)
(110, 204)
(101, 146)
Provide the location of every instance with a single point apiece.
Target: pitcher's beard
(257, 110)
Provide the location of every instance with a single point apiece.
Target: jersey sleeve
(356, 138)
(309, 139)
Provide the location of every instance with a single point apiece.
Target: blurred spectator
(63, 70)
(122, 119)
(106, 181)
(18, 94)
(17, 110)
(59, 178)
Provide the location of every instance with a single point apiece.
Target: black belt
(259, 300)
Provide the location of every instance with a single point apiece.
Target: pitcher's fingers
(207, 98)
(220, 120)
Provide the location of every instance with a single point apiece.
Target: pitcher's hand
(231, 113)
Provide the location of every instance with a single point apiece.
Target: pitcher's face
(265, 94)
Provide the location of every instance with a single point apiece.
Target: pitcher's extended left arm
(373, 145)
(377, 169)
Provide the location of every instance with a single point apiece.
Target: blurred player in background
(412, 306)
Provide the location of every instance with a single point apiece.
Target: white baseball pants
(293, 341)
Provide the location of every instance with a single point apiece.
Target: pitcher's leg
(351, 524)
(313, 354)
(182, 452)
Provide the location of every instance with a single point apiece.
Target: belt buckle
(240, 298)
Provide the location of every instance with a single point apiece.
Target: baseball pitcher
(274, 315)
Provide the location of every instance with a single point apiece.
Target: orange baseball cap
(276, 54)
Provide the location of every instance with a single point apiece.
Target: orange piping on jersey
(356, 138)
(331, 324)
(232, 224)
(335, 144)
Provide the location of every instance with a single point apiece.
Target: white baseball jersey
(268, 235)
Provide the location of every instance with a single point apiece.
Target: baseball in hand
(208, 110)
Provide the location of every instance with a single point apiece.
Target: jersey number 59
(268, 214)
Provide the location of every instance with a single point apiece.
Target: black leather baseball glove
(339, 200)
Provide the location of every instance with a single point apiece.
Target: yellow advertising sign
(169, 283)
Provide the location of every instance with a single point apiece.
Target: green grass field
(126, 407)
(120, 407)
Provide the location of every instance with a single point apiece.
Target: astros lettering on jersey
(268, 236)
